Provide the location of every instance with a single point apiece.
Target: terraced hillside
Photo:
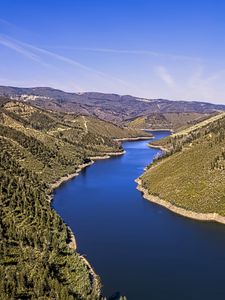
(191, 173)
(37, 254)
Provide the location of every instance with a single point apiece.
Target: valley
(42, 149)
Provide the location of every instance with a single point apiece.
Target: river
(138, 248)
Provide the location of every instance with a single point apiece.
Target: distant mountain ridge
(110, 107)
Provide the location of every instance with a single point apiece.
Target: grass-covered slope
(170, 120)
(37, 148)
(191, 174)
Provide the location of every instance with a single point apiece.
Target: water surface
(137, 247)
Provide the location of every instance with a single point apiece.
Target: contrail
(133, 52)
(30, 51)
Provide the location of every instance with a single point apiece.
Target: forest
(37, 148)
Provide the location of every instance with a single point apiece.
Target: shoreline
(72, 240)
(107, 155)
(65, 178)
(95, 280)
(206, 217)
(150, 129)
(161, 129)
(158, 147)
(81, 167)
(139, 138)
(72, 244)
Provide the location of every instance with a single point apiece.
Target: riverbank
(158, 147)
(72, 244)
(107, 155)
(63, 179)
(71, 237)
(134, 138)
(95, 280)
(161, 129)
(207, 217)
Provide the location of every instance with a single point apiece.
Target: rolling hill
(189, 176)
(171, 120)
(111, 107)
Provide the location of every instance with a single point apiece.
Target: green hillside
(37, 260)
(169, 120)
(191, 173)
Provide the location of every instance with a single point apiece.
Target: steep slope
(190, 175)
(109, 107)
(37, 251)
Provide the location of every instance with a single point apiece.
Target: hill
(171, 120)
(189, 177)
(37, 250)
(111, 107)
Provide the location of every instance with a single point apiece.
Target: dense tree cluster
(35, 259)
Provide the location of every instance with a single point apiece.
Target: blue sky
(171, 49)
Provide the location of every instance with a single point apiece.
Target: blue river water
(138, 248)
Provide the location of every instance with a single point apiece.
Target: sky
(173, 49)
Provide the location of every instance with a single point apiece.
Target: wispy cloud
(165, 76)
(205, 86)
(19, 49)
(11, 28)
(36, 53)
(195, 85)
(5, 22)
(183, 76)
(131, 51)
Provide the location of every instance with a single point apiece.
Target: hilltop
(189, 176)
(38, 147)
(120, 109)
